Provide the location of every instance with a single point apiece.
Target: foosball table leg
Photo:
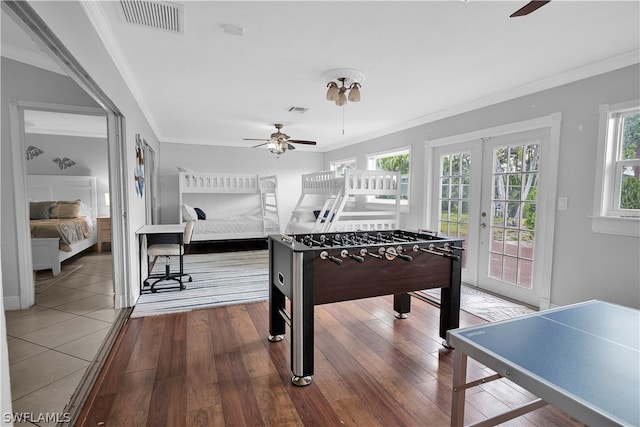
(402, 305)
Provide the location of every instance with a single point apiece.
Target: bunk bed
(359, 200)
(63, 211)
(229, 206)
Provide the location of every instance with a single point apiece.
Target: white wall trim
(16, 120)
(495, 131)
(11, 303)
(31, 58)
(25, 264)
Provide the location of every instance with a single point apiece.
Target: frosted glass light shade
(332, 92)
(354, 93)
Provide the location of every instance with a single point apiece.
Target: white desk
(156, 229)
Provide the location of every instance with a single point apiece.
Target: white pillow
(188, 213)
(85, 210)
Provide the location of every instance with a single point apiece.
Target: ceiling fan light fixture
(349, 80)
(354, 93)
(332, 92)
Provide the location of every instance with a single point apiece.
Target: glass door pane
(512, 227)
(455, 180)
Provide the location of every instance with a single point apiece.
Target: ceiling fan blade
(529, 7)
(302, 141)
(290, 147)
(260, 145)
(255, 139)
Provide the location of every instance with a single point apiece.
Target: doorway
(496, 189)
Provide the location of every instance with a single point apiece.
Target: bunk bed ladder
(269, 209)
(333, 207)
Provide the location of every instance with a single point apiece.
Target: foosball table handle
(325, 255)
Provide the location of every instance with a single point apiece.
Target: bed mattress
(235, 224)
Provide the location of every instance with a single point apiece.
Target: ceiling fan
(279, 141)
(529, 7)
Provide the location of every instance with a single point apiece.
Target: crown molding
(31, 58)
(590, 70)
(105, 32)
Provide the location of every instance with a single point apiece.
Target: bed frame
(223, 194)
(46, 253)
(361, 200)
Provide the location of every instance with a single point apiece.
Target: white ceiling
(423, 60)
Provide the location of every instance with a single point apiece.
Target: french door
(497, 193)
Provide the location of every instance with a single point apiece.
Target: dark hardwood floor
(215, 367)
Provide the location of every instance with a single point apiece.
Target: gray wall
(586, 265)
(288, 167)
(25, 83)
(89, 154)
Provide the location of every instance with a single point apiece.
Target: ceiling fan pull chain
(343, 119)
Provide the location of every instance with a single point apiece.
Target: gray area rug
(486, 306)
(218, 279)
(243, 277)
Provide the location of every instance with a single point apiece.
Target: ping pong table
(582, 358)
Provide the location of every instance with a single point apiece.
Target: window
(617, 207)
(626, 194)
(341, 165)
(395, 161)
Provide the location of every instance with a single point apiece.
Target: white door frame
(23, 14)
(25, 262)
(546, 206)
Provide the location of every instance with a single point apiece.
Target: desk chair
(168, 250)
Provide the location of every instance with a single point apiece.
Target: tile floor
(51, 344)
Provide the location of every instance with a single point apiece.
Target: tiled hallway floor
(52, 344)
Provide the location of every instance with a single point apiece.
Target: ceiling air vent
(299, 110)
(156, 14)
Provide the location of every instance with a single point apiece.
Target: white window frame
(607, 217)
(371, 165)
(333, 164)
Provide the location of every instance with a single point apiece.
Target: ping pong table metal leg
(458, 388)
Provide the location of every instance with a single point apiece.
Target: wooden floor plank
(239, 402)
(147, 347)
(400, 398)
(215, 367)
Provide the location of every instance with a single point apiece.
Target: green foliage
(530, 210)
(630, 193)
(631, 137)
(398, 163)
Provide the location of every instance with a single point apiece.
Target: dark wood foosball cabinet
(319, 269)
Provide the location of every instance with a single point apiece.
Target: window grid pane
(514, 193)
(394, 162)
(455, 180)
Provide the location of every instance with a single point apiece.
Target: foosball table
(314, 269)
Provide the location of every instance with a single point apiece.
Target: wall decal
(64, 163)
(33, 152)
(139, 170)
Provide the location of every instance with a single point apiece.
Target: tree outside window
(398, 161)
(629, 163)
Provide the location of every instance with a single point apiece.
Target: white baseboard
(12, 303)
